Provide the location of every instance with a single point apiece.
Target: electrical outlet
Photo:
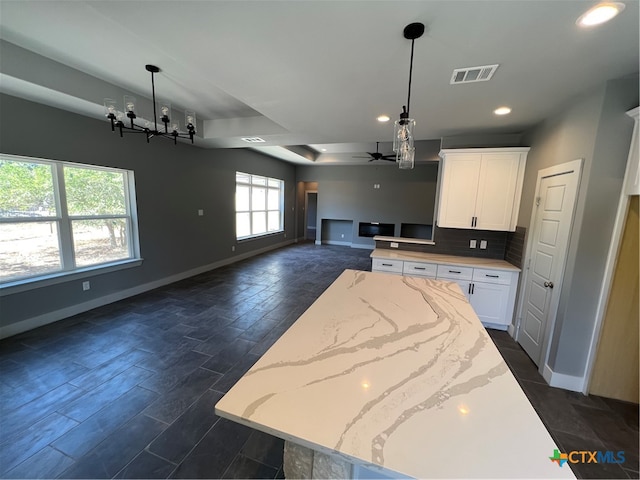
(86, 286)
(342, 235)
(483, 244)
(394, 245)
(233, 248)
(472, 244)
(200, 213)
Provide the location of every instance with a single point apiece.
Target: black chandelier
(150, 129)
(403, 127)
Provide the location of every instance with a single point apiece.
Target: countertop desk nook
(389, 376)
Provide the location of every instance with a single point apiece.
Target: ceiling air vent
(253, 139)
(473, 74)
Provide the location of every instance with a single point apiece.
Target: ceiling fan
(379, 156)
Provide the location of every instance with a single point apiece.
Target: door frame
(612, 258)
(306, 211)
(567, 167)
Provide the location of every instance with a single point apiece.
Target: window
(259, 205)
(58, 217)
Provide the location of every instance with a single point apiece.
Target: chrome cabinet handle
(548, 284)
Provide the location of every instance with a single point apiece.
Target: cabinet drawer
(421, 269)
(454, 272)
(380, 265)
(492, 276)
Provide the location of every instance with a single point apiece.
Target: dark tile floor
(127, 390)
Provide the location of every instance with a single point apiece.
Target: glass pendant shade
(403, 133)
(165, 111)
(129, 103)
(110, 107)
(406, 158)
(190, 119)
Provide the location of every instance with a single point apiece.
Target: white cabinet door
(491, 302)
(458, 190)
(481, 188)
(496, 191)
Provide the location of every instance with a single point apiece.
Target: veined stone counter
(388, 254)
(396, 374)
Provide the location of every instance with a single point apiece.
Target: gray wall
(594, 127)
(172, 183)
(347, 193)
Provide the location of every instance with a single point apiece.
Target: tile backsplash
(453, 241)
(514, 250)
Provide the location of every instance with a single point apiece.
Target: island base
(303, 462)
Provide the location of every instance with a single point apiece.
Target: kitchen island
(392, 376)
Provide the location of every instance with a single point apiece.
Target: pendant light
(403, 127)
(171, 128)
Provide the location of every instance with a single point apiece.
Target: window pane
(258, 198)
(259, 223)
(273, 201)
(256, 180)
(243, 225)
(243, 177)
(26, 190)
(274, 221)
(274, 183)
(242, 198)
(99, 241)
(94, 192)
(28, 249)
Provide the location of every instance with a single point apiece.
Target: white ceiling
(315, 73)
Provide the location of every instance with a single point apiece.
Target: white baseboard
(363, 246)
(336, 242)
(50, 317)
(511, 330)
(318, 242)
(561, 380)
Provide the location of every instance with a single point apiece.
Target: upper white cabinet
(480, 188)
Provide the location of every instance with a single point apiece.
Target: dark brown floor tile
(33, 439)
(107, 392)
(117, 450)
(81, 439)
(244, 467)
(46, 463)
(146, 465)
(230, 378)
(175, 402)
(182, 435)
(109, 369)
(167, 378)
(224, 360)
(215, 452)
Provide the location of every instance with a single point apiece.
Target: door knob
(548, 284)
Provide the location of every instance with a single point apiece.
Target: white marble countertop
(388, 254)
(396, 372)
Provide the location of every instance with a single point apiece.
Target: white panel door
(551, 226)
(490, 301)
(458, 190)
(496, 191)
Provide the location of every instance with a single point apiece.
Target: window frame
(64, 222)
(267, 187)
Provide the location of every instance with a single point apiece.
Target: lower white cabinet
(491, 292)
(389, 266)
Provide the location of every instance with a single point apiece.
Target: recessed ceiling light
(323, 149)
(383, 118)
(601, 13)
(502, 111)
